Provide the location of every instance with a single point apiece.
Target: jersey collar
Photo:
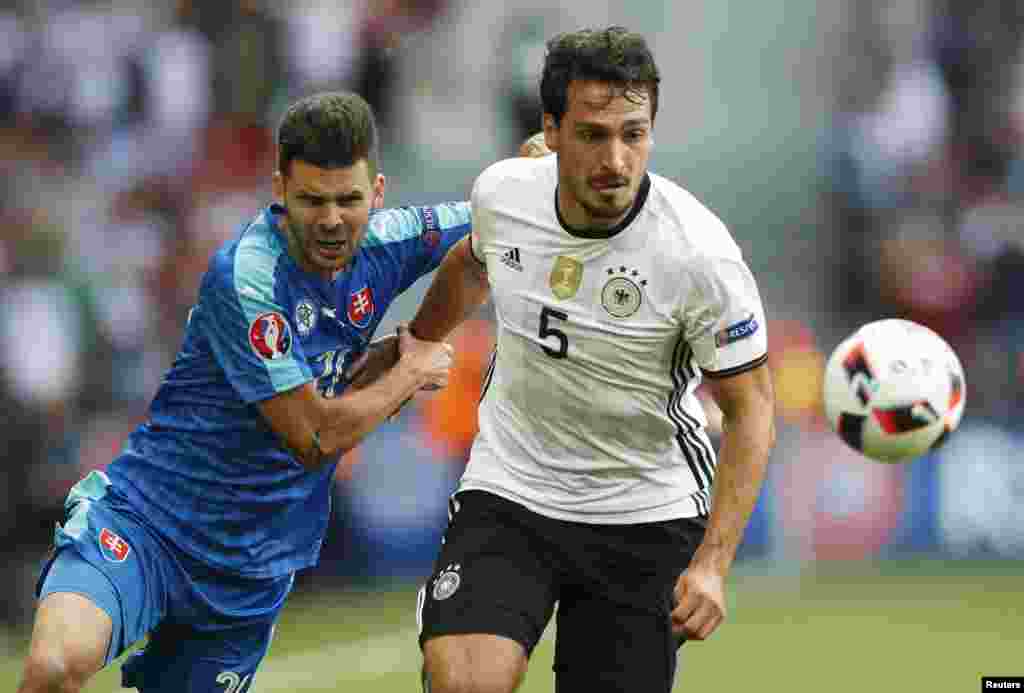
(638, 204)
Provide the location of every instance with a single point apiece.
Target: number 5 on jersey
(547, 332)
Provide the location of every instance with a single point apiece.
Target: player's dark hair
(328, 130)
(614, 55)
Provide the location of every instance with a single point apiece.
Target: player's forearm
(459, 288)
(346, 420)
(743, 458)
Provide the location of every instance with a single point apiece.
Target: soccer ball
(894, 390)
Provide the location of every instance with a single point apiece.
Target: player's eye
(635, 135)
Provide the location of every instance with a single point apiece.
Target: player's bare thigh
(473, 663)
(69, 644)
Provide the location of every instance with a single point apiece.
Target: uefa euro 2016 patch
(734, 333)
(270, 336)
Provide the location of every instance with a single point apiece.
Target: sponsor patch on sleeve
(430, 222)
(735, 332)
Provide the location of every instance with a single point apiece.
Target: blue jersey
(206, 472)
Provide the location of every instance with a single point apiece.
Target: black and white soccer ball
(894, 390)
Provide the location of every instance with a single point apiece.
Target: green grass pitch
(842, 627)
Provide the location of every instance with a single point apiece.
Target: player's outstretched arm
(748, 422)
(316, 429)
(459, 288)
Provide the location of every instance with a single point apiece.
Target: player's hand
(534, 146)
(431, 361)
(700, 603)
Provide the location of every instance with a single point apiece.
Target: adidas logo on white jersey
(511, 258)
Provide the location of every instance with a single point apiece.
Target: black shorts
(502, 568)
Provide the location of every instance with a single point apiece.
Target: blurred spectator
(176, 100)
(248, 64)
(322, 48)
(523, 45)
(13, 53)
(387, 21)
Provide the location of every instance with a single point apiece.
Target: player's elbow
(465, 262)
(339, 429)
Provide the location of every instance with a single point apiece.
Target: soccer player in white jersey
(592, 483)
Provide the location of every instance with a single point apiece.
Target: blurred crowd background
(867, 156)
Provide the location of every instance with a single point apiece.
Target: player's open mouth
(331, 248)
(608, 184)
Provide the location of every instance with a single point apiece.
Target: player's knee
(449, 668)
(50, 670)
(468, 682)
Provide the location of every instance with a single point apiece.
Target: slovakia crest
(270, 336)
(114, 548)
(360, 307)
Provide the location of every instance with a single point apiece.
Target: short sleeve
(482, 233)
(414, 240)
(724, 319)
(249, 331)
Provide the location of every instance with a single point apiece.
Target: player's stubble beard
(606, 214)
(303, 243)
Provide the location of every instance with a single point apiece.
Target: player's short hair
(614, 55)
(329, 130)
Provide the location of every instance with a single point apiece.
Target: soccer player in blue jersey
(195, 531)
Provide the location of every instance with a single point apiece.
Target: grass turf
(842, 627)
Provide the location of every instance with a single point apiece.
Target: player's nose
(332, 218)
(615, 156)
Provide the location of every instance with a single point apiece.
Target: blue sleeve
(249, 331)
(416, 239)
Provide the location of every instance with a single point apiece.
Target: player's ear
(277, 187)
(550, 132)
(379, 184)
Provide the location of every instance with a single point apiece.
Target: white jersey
(588, 411)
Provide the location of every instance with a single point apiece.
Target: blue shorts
(207, 631)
